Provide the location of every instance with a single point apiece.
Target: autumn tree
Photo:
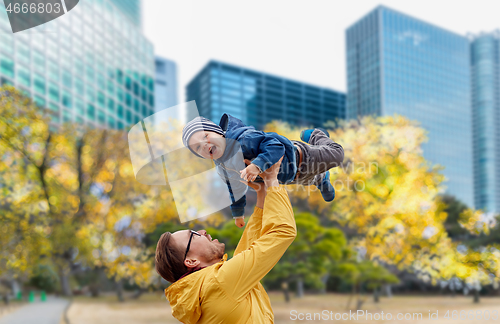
(70, 198)
(388, 200)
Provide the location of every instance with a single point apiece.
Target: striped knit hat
(198, 124)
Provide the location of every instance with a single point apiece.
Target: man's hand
(259, 187)
(250, 173)
(270, 176)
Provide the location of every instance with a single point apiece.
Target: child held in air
(305, 163)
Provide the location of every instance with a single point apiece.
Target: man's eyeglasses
(189, 243)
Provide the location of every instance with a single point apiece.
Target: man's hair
(169, 261)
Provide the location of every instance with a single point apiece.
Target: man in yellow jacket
(206, 288)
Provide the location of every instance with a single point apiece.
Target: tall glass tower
(485, 70)
(165, 84)
(91, 66)
(257, 98)
(397, 64)
(131, 9)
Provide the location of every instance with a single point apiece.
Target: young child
(303, 163)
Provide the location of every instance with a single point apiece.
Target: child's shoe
(326, 188)
(305, 135)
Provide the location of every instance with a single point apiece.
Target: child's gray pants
(319, 156)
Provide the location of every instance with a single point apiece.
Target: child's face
(207, 144)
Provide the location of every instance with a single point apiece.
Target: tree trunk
(359, 303)
(15, 288)
(300, 288)
(388, 291)
(476, 296)
(94, 290)
(119, 290)
(284, 286)
(65, 286)
(324, 280)
(138, 293)
(376, 295)
(353, 292)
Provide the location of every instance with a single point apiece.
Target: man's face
(207, 144)
(202, 247)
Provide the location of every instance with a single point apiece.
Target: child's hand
(250, 173)
(240, 222)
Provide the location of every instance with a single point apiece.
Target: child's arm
(267, 149)
(237, 190)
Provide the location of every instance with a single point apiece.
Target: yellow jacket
(230, 291)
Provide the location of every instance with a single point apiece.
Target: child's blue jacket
(263, 149)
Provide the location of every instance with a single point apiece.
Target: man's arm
(254, 226)
(240, 274)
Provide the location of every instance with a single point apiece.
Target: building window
(79, 106)
(39, 101)
(128, 83)
(120, 111)
(111, 122)
(111, 88)
(79, 86)
(128, 99)
(100, 99)
(24, 77)
(137, 106)
(111, 106)
(66, 99)
(90, 112)
(90, 93)
(66, 79)
(53, 92)
(101, 117)
(119, 94)
(90, 73)
(39, 83)
(7, 67)
(100, 81)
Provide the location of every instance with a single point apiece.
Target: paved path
(49, 312)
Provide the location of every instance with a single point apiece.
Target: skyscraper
(131, 9)
(397, 64)
(91, 66)
(165, 84)
(485, 70)
(258, 98)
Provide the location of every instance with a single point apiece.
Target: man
(206, 288)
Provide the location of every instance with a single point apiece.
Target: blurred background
(410, 90)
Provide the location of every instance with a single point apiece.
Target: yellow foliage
(388, 193)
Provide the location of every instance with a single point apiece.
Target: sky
(300, 40)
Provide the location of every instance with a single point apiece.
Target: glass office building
(258, 98)
(91, 66)
(130, 8)
(397, 64)
(165, 84)
(485, 72)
